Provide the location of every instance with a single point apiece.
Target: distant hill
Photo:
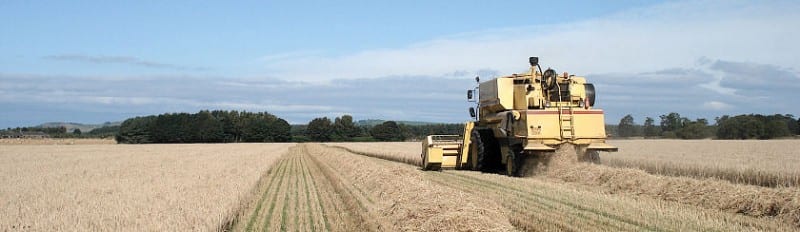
(72, 125)
(373, 122)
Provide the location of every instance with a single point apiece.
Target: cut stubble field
(780, 205)
(359, 187)
(327, 187)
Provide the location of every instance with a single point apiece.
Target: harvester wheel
(515, 161)
(511, 166)
(589, 156)
(488, 158)
(593, 157)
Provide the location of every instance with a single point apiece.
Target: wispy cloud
(715, 105)
(699, 58)
(298, 102)
(670, 35)
(429, 98)
(119, 60)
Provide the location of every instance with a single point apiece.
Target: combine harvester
(522, 116)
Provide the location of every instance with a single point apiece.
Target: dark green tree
(344, 128)
(280, 131)
(777, 126)
(135, 130)
(205, 127)
(626, 127)
(320, 129)
(256, 131)
(387, 131)
(694, 129)
(650, 130)
(671, 122)
(793, 124)
(751, 126)
(104, 132)
(77, 131)
(797, 127)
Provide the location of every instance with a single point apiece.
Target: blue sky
(96, 61)
(226, 39)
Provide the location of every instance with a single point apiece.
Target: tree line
(344, 129)
(232, 126)
(745, 126)
(62, 132)
(216, 126)
(220, 126)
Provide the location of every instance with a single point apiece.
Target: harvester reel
(549, 79)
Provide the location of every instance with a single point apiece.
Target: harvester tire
(586, 155)
(512, 168)
(593, 157)
(488, 157)
(515, 161)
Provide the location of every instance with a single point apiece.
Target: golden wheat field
(370, 187)
(770, 163)
(56, 141)
(128, 187)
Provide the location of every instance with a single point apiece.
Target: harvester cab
(522, 116)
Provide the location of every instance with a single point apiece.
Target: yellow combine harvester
(521, 116)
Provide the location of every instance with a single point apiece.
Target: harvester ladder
(566, 121)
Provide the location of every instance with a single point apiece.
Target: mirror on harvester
(469, 95)
(533, 60)
(472, 112)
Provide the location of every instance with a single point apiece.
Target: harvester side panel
(466, 146)
(577, 126)
(589, 124)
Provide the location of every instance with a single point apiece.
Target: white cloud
(272, 107)
(715, 105)
(297, 102)
(639, 40)
(699, 58)
(118, 60)
(715, 85)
